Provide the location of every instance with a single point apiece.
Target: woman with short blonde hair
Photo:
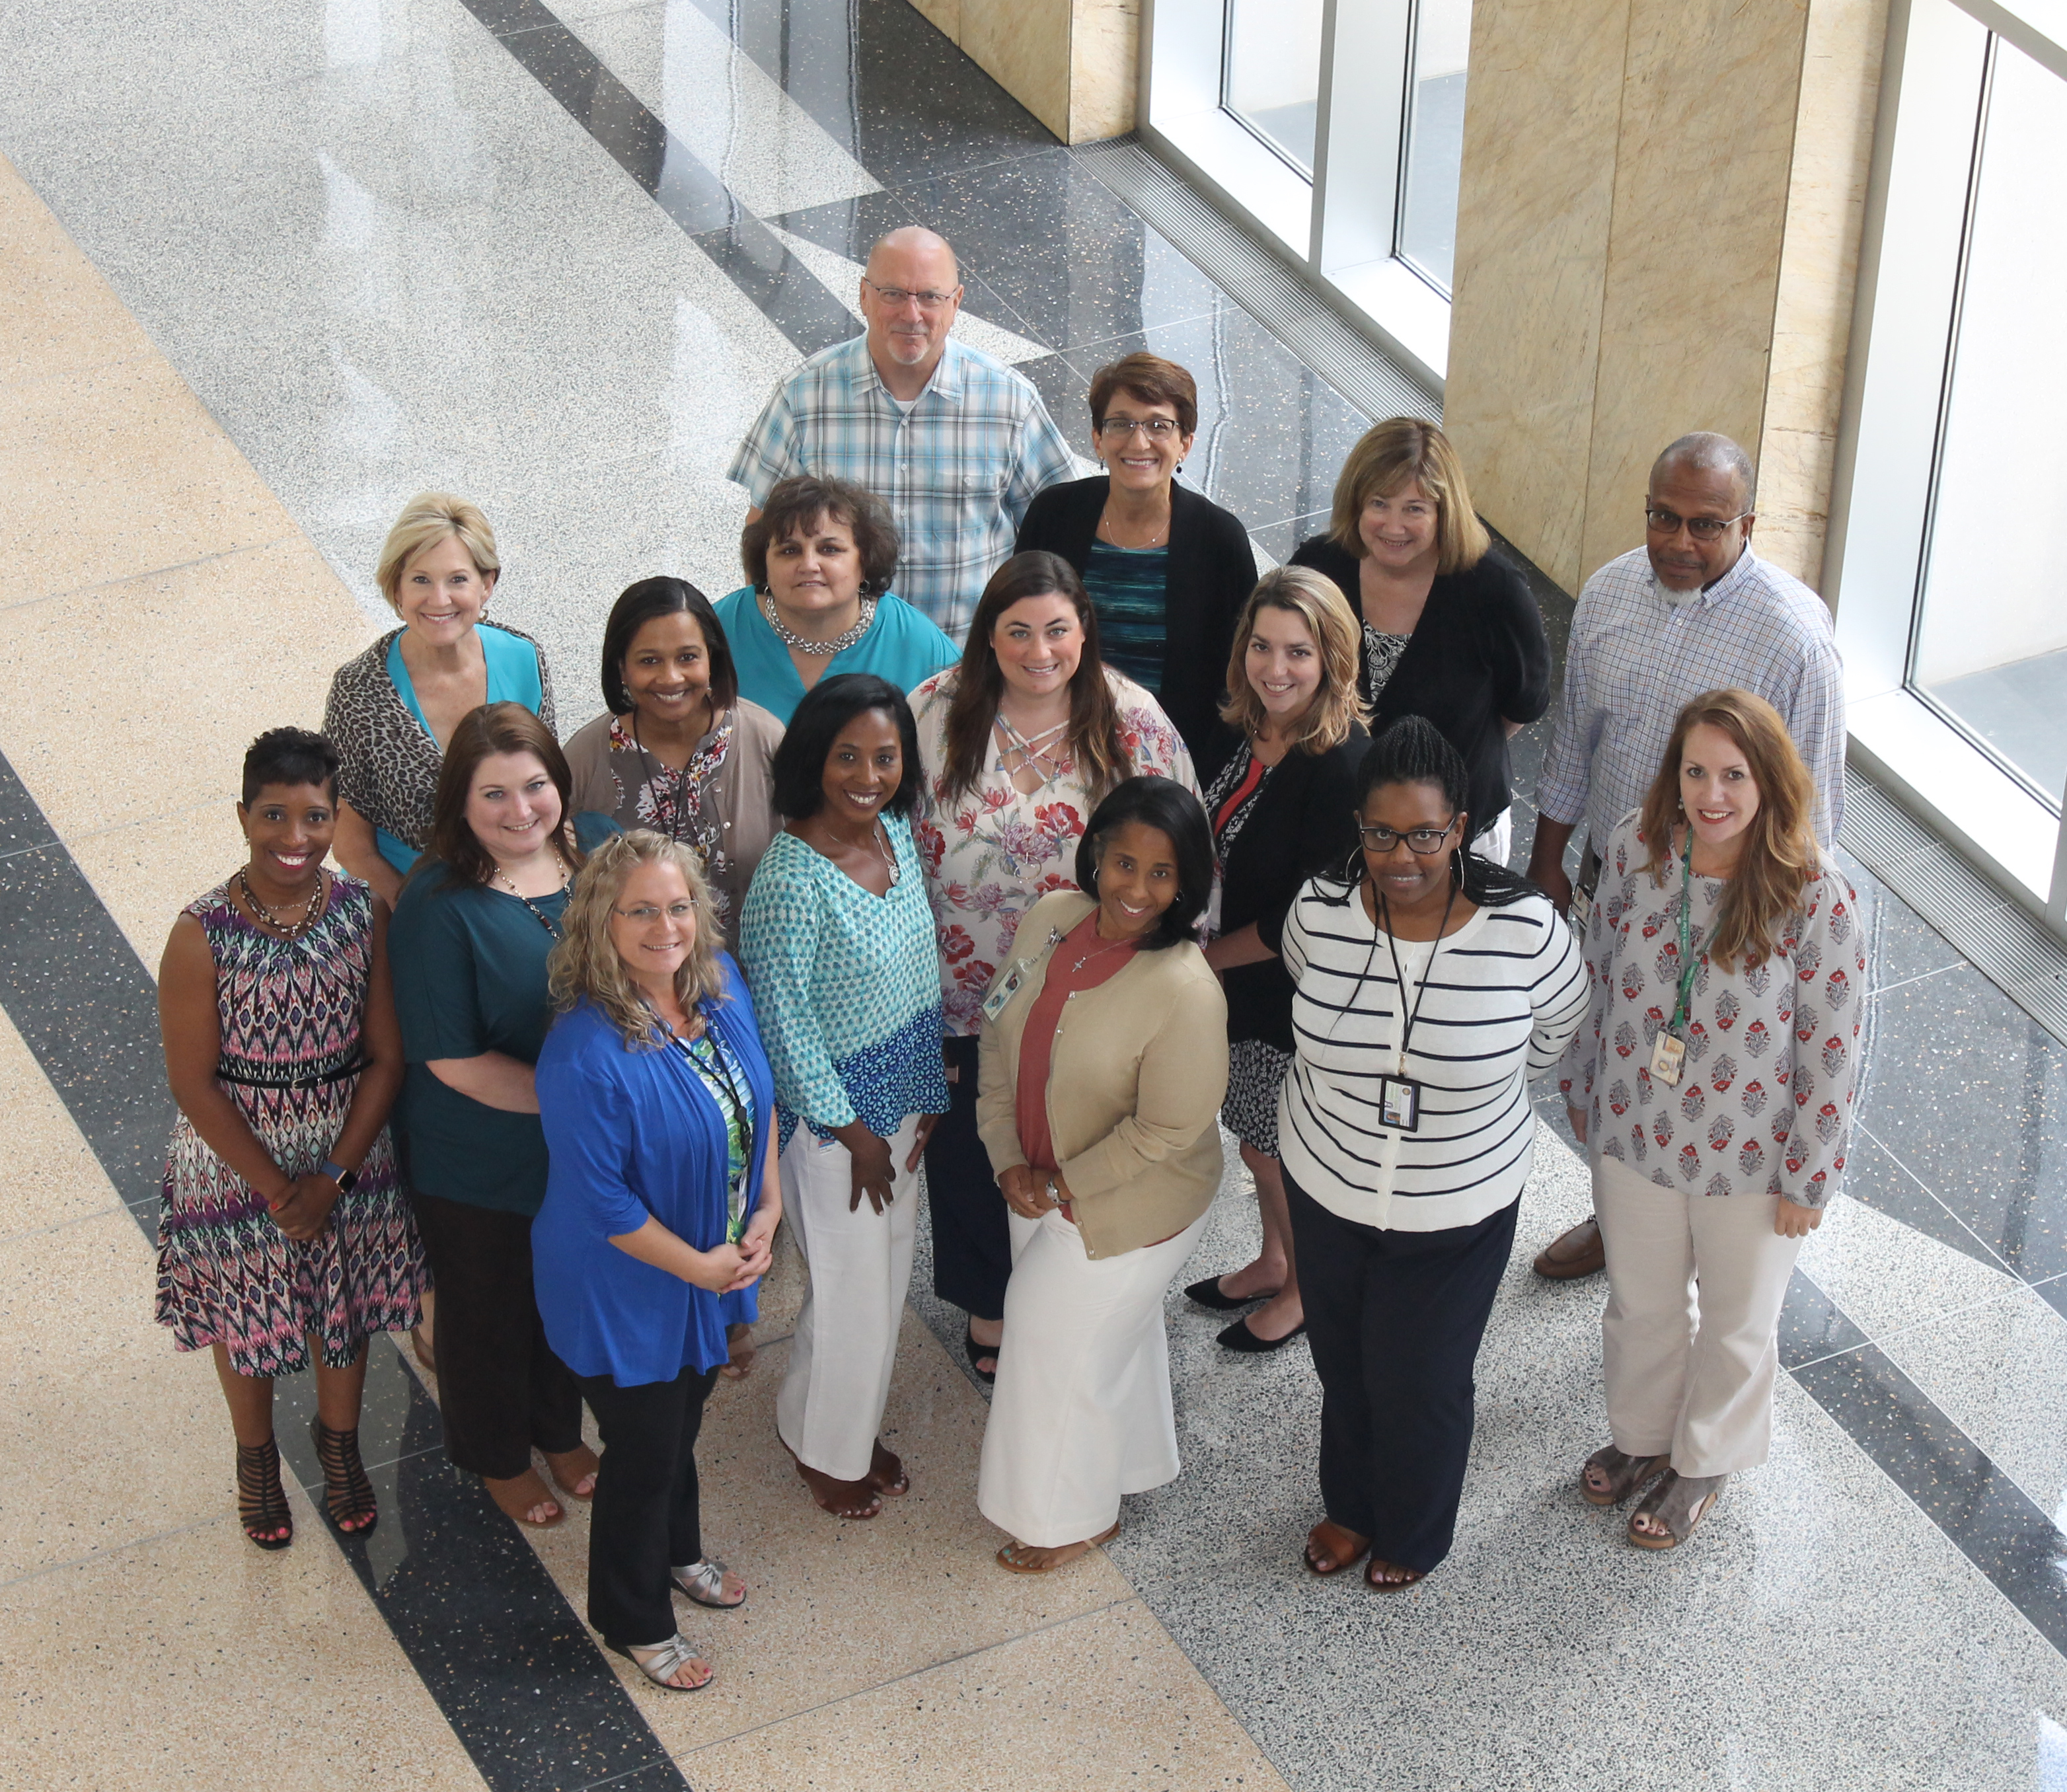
(1450, 629)
(659, 1216)
(1280, 777)
(392, 709)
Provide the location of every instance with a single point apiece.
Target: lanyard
(738, 1125)
(1687, 965)
(1399, 973)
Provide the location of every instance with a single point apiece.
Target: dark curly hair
(795, 506)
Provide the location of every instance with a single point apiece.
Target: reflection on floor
(2020, 710)
(554, 259)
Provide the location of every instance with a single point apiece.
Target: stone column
(1073, 64)
(1657, 232)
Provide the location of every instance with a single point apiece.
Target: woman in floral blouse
(1018, 744)
(1713, 1079)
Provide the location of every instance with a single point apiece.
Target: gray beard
(1675, 598)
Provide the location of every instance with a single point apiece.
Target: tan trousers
(1689, 1342)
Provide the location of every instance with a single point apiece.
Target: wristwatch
(343, 1178)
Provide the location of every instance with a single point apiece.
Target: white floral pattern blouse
(993, 851)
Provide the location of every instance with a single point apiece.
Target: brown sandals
(1619, 1475)
(1678, 1502)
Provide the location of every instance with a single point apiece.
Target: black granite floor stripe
(750, 256)
(510, 1664)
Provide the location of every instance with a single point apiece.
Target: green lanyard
(1688, 966)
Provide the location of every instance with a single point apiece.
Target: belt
(262, 1080)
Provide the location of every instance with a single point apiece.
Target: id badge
(1666, 1056)
(735, 1201)
(1400, 1102)
(994, 1003)
(1583, 911)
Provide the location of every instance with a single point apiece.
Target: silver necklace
(839, 643)
(1155, 535)
(879, 835)
(1103, 947)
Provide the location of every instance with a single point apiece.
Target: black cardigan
(1304, 823)
(1211, 571)
(1479, 653)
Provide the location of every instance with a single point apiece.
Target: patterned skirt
(227, 1275)
(1255, 1072)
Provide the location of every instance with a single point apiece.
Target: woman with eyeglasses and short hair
(1167, 569)
(1428, 991)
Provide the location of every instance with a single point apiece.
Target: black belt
(257, 1079)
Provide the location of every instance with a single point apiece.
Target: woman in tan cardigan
(1103, 1062)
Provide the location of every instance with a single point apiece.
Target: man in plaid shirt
(957, 442)
(1693, 610)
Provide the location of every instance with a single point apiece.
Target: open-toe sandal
(571, 1468)
(1624, 1475)
(1397, 1579)
(886, 1474)
(740, 1351)
(703, 1582)
(348, 1494)
(261, 1502)
(1346, 1554)
(1678, 1502)
(659, 1664)
(517, 1501)
(976, 1352)
(1019, 1557)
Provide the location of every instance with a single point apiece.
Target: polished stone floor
(267, 269)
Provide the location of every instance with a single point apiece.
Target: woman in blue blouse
(659, 1216)
(838, 943)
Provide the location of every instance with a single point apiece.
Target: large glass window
(1270, 73)
(1427, 232)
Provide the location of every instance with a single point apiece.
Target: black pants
(1396, 1319)
(500, 1388)
(647, 1515)
(971, 1243)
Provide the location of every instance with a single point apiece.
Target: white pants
(831, 1407)
(1689, 1342)
(1081, 1414)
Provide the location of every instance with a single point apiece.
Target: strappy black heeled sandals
(261, 1502)
(348, 1494)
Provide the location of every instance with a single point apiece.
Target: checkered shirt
(958, 472)
(1636, 660)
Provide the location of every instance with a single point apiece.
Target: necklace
(879, 835)
(1101, 948)
(839, 643)
(538, 914)
(1155, 535)
(310, 907)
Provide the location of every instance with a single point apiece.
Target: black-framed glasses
(1156, 428)
(1702, 529)
(646, 914)
(928, 300)
(1420, 840)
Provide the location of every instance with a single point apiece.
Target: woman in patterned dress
(1019, 743)
(838, 943)
(1713, 1079)
(284, 1235)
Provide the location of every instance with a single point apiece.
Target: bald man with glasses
(1693, 610)
(956, 441)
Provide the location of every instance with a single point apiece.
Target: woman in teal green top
(820, 555)
(393, 707)
(469, 940)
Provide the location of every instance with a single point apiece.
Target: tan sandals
(1678, 1502)
(1620, 1475)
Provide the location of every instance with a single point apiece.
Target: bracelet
(343, 1178)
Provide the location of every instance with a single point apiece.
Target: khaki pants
(1689, 1342)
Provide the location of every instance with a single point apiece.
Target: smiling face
(863, 767)
(667, 668)
(1716, 789)
(811, 571)
(1138, 460)
(1399, 530)
(1137, 879)
(442, 592)
(1409, 880)
(1039, 643)
(905, 331)
(1283, 664)
(289, 828)
(513, 807)
(653, 923)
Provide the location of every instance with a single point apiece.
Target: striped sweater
(1504, 995)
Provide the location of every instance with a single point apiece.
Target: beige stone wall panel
(1024, 46)
(1105, 59)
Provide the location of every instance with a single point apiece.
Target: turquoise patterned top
(848, 988)
(1129, 589)
(724, 1077)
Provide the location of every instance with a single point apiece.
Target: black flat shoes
(1208, 1294)
(1238, 1337)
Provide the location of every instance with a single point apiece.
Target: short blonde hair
(1401, 450)
(585, 965)
(1317, 601)
(427, 519)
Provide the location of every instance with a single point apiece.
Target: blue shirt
(901, 646)
(633, 1136)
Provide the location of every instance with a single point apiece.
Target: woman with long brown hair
(1018, 743)
(1713, 1081)
(478, 917)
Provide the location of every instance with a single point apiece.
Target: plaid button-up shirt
(1636, 660)
(958, 471)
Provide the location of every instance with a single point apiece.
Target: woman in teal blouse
(469, 941)
(393, 707)
(837, 938)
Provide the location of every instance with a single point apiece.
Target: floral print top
(993, 851)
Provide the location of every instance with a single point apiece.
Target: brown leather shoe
(1579, 1252)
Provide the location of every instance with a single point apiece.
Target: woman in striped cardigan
(1430, 987)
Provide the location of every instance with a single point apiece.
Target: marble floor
(267, 269)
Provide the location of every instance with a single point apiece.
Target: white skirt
(1081, 1415)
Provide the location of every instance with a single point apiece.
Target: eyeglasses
(1421, 840)
(1157, 428)
(646, 914)
(894, 296)
(1702, 529)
